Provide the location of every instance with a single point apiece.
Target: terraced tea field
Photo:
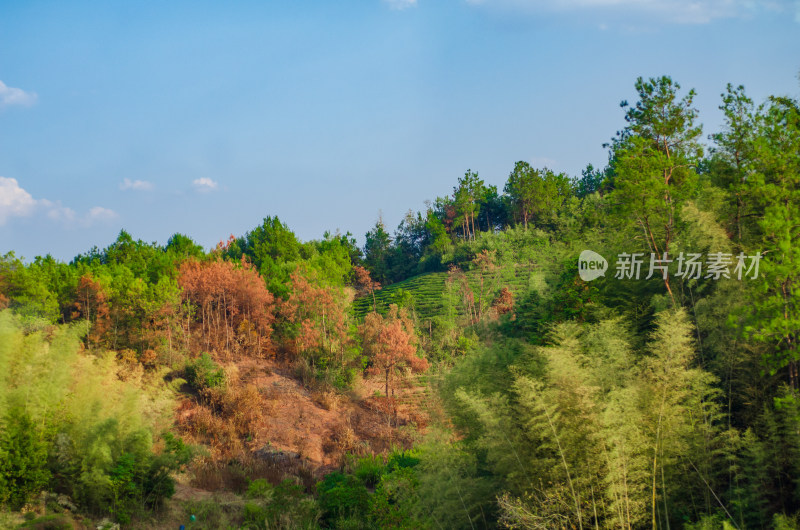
(429, 291)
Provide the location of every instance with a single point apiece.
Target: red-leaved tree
(318, 313)
(364, 284)
(391, 345)
(504, 302)
(91, 303)
(232, 305)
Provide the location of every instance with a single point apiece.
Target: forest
(456, 372)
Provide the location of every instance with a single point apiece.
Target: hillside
(270, 383)
(299, 426)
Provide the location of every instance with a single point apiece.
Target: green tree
(411, 238)
(590, 181)
(331, 256)
(23, 459)
(521, 187)
(654, 160)
(536, 193)
(468, 195)
(774, 181)
(734, 155)
(376, 251)
(28, 289)
(438, 233)
(183, 246)
(272, 248)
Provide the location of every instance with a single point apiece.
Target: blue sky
(204, 117)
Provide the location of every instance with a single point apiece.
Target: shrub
(344, 378)
(389, 506)
(402, 460)
(50, 522)
(260, 489)
(121, 475)
(369, 469)
(204, 373)
(342, 495)
(283, 506)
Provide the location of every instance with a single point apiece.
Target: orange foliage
(232, 305)
(320, 313)
(391, 344)
(222, 246)
(504, 302)
(364, 284)
(92, 304)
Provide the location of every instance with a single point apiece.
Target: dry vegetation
(264, 423)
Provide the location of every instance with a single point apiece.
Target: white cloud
(16, 202)
(674, 11)
(98, 213)
(400, 4)
(15, 96)
(136, 185)
(204, 185)
(57, 212)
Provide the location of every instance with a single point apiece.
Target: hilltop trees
(183, 246)
(521, 187)
(376, 251)
(272, 248)
(536, 192)
(467, 196)
(733, 156)
(332, 257)
(590, 181)
(231, 304)
(654, 160)
(411, 239)
(448, 232)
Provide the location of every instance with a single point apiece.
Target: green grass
(428, 291)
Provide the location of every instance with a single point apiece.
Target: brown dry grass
(264, 413)
(327, 399)
(235, 474)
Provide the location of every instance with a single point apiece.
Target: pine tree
(774, 181)
(653, 162)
